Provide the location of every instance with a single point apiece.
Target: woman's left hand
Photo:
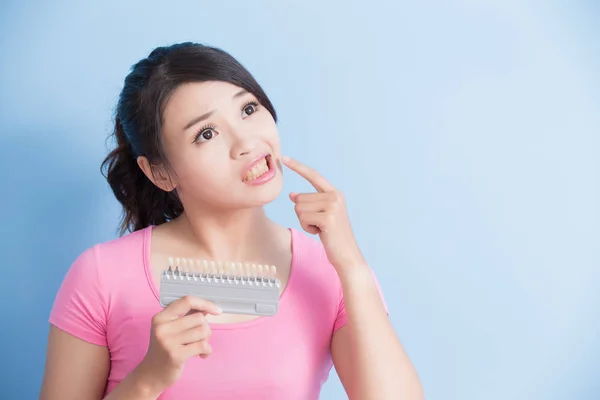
(324, 213)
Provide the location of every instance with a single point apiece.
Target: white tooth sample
(239, 269)
(273, 271)
(260, 270)
(170, 261)
(183, 265)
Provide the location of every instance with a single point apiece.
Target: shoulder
(99, 263)
(100, 268)
(309, 258)
(123, 246)
(123, 249)
(307, 248)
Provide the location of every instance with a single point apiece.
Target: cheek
(200, 172)
(267, 126)
(273, 139)
(275, 144)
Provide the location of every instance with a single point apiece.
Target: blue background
(465, 135)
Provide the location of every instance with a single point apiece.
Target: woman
(197, 158)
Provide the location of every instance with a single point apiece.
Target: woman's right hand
(179, 332)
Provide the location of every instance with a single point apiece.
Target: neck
(231, 235)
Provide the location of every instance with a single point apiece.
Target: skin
(225, 220)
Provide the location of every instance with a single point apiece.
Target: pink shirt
(108, 298)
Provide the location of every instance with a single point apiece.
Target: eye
(249, 108)
(205, 134)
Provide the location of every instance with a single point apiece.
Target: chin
(264, 194)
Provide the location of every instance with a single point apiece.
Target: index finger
(312, 176)
(184, 305)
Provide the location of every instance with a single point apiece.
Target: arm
(77, 355)
(78, 370)
(75, 369)
(367, 354)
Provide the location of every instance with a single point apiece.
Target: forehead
(194, 98)
(208, 95)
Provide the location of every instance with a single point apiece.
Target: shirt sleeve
(342, 318)
(79, 307)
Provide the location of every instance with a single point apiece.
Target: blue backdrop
(465, 135)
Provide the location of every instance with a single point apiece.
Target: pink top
(108, 298)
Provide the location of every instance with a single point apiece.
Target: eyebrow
(204, 116)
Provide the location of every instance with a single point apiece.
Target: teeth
(258, 170)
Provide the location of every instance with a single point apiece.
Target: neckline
(146, 248)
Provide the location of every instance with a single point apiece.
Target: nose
(244, 144)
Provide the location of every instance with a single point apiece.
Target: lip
(270, 174)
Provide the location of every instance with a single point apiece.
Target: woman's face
(222, 145)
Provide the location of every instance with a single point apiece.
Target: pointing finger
(312, 176)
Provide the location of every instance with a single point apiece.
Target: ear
(157, 174)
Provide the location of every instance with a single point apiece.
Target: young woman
(197, 158)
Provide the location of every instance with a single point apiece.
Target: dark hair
(138, 124)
